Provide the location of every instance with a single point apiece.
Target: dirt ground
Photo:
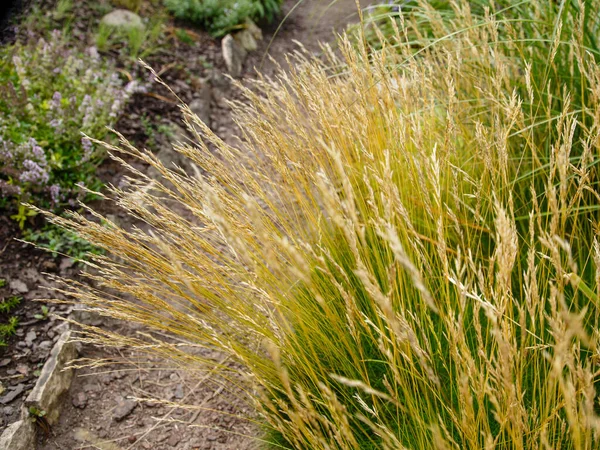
(103, 409)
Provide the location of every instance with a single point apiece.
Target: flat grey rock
(18, 286)
(79, 400)
(123, 409)
(53, 381)
(18, 436)
(122, 19)
(12, 394)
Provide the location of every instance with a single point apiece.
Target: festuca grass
(401, 253)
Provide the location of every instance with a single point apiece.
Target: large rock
(122, 19)
(246, 40)
(18, 436)
(234, 55)
(254, 30)
(54, 381)
(248, 37)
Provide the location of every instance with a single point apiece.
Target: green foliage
(9, 327)
(43, 315)
(9, 304)
(132, 5)
(63, 9)
(38, 417)
(61, 242)
(133, 43)
(50, 95)
(221, 16)
(183, 36)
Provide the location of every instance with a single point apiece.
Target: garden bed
(191, 63)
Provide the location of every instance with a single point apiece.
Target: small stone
(30, 337)
(131, 439)
(122, 19)
(45, 345)
(5, 362)
(79, 400)
(92, 387)
(18, 286)
(23, 369)
(174, 440)
(12, 394)
(123, 409)
(146, 445)
(49, 265)
(179, 391)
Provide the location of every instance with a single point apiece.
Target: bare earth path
(99, 411)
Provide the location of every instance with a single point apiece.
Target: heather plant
(402, 253)
(50, 95)
(222, 16)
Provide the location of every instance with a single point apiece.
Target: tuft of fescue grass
(402, 252)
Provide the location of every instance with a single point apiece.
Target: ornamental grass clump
(49, 95)
(402, 252)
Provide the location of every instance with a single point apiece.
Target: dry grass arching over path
(102, 409)
(401, 249)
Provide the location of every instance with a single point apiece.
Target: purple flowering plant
(49, 95)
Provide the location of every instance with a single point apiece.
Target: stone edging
(46, 395)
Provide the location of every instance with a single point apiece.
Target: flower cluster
(52, 94)
(22, 165)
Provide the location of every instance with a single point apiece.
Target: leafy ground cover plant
(9, 323)
(403, 254)
(134, 43)
(50, 95)
(221, 16)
